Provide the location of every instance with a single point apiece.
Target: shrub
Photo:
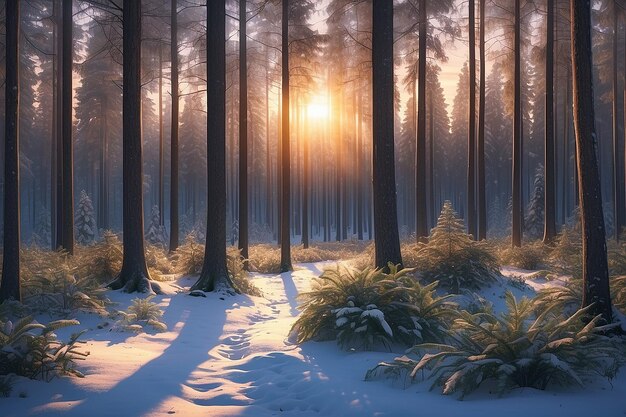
(566, 257)
(516, 349)
(618, 289)
(617, 259)
(32, 350)
(453, 258)
(102, 261)
(189, 256)
(157, 262)
(531, 256)
(363, 309)
(141, 313)
(238, 275)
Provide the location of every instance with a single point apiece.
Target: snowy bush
(618, 290)
(43, 229)
(238, 274)
(85, 221)
(566, 256)
(156, 234)
(453, 258)
(30, 349)
(366, 309)
(517, 349)
(141, 313)
(158, 262)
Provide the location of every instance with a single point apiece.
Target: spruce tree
(533, 222)
(85, 221)
(156, 233)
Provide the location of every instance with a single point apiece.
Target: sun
(318, 108)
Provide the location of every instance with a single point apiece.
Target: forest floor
(233, 356)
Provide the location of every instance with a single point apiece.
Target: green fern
(521, 348)
(364, 309)
(141, 313)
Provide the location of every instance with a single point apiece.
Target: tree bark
(471, 130)
(482, 200)
(161, 142)
(516, 232)
(618, 177)
(10, 282)
(421, 221)
(214, 275)
(285, 207)
(306, 187)
(134, 275)
(243, 133)
(174, 218)
(595, 270)
(67, 242)
(549, 231)
(387, 241)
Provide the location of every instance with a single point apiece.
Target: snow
(232, 356)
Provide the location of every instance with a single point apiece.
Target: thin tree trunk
(10, 282)
(617, 177)
(516, 232)
(387, 241)
(482, 200)
(161, 141)
(471, 131)
(306, 187)
(285, 207)
(420, 158)
(214, 275)
(243, 133)
(549, 231)
(596, 292)
(174, 218)
(67, 242)
(360, 172)
(134, 275)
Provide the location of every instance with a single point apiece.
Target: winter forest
(312, 207)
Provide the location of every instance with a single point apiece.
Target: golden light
(318, 108)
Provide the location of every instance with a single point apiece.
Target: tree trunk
(59, 128)
(618, 184)
(10, 282)
(243, 133)
(549, 231)
(387, 241)
(595, 270)
(516, 232)
(214, 275)
(471, 130)
(420, 157)
(306, 186)
(174, 220)
(360, 172)
(134, 275)
(285, 207)
(67, 242)
(482, 200)
(161, 141)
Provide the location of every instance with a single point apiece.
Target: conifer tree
(156, 233)
(533, 222)
(85, 221)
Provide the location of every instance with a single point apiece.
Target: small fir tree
(85, 221)
(453, 258)
(533, 221)
(156, 233)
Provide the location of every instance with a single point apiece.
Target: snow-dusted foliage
(156, 234)
(453, 258)
(521, 348)
(141, 313)
(368, 309)
(533, 220)
(31, 349)
(85, 221)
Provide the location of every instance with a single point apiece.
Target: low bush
(238, 274)
(517, 349)
(531, 256)
(453, 259)
(30, 349)
(101, 261)
(367, 309)
(189, 256)
(141, 313)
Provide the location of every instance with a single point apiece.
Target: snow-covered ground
(231, 356)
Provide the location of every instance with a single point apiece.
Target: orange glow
(318, 108)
